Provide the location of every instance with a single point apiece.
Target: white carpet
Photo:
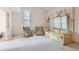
(34, 43)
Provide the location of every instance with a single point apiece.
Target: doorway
(3, 26)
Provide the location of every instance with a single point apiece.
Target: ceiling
(48, 8)
(17, 9)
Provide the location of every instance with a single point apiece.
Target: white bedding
(34, 43)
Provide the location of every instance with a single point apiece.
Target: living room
(51, 27)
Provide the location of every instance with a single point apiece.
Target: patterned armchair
(39, 30)
(27, 32)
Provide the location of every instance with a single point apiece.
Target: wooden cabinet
(68, 38)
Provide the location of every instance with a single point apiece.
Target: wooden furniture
(68, 38)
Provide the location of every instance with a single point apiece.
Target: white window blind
(27, 19)
(57, 22)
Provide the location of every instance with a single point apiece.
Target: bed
(34, 43)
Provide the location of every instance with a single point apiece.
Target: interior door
(3, 24)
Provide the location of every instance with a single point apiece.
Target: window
(57, 22)
(27, 19)
(64, 22)
(61, 22)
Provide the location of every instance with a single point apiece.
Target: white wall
(38, 17)
(76, 39)
(17, 24)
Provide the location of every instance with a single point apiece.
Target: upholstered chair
(27, 32)
(39, 30)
